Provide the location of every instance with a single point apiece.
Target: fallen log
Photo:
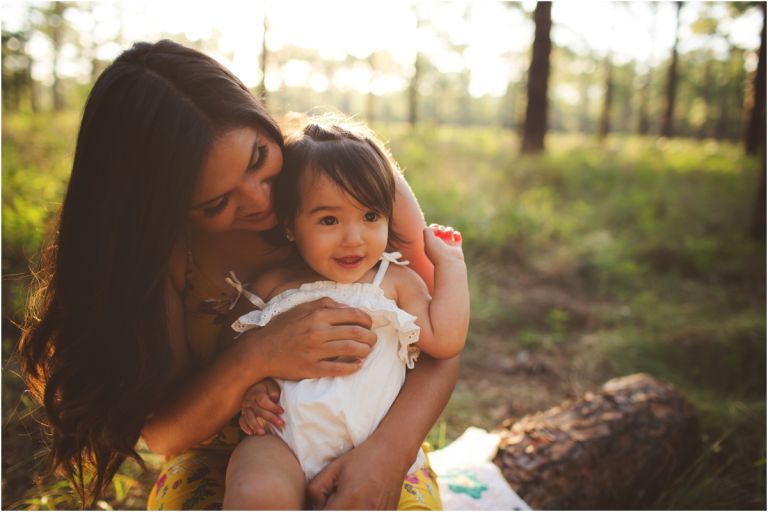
(613, 449)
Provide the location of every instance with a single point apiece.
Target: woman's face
(234, 190)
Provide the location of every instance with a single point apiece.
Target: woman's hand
(260, 406)
(368, 477)
(318, 339)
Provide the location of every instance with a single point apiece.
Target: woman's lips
(257, 216)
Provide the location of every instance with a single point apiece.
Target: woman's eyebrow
(254, 149)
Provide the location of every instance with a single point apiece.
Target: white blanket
(468, 479)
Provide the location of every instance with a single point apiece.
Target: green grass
(603, 260)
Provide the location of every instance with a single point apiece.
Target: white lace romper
(327, 417)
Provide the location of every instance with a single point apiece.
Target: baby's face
(338, 237)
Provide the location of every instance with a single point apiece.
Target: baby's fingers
(269, 403)
(262, 416)
(251, 424)
(446, 233)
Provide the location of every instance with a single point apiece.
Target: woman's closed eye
(260, 158)
(212, 211)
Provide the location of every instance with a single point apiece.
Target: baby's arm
(443, 319)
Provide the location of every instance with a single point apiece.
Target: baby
(334, 199)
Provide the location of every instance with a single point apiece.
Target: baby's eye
(328, 221)
(371, 217)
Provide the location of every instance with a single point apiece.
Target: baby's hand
(442, 243)
(261, 405)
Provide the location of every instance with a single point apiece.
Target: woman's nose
(257, 195)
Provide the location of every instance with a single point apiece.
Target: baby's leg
(263, 474)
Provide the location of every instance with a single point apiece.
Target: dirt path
(503, 375)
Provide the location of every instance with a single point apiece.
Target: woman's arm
(294, 345)
(408, 221)
(371, 475)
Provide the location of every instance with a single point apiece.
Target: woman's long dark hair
(95, 347)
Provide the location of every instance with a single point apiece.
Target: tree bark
(616, 448)
(535, 126)
(671, 89)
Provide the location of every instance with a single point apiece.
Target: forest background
(604, 160)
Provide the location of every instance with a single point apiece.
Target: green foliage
(37, 159)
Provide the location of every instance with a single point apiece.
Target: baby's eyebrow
(323, 208)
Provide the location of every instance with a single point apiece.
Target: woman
(128, 334)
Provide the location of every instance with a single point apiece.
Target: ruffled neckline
(328, 285)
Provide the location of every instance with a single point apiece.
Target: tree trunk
(611, 449)
(535, 126)
(755, 136)
(370, 99)
(671, 90)
(58, 96)
(34, 104)
(758, 227)
(262, 88)
(706, 96)
(413, 91)
(585, 81)
(605, 117)
(644, 121)
(723, 116)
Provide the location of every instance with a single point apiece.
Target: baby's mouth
(349, 261)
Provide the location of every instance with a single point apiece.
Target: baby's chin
(341, 277)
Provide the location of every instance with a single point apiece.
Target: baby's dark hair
(347, 153)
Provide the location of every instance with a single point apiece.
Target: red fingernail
(457, 236)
